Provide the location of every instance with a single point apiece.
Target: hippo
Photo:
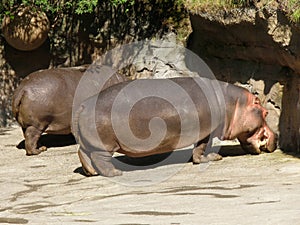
(131, 119)
(42, 103)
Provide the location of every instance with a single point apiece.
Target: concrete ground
(50, 189)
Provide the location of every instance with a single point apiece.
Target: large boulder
(26, 29)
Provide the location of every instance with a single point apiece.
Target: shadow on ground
(52, 140)
(294, 154)
(127, 164)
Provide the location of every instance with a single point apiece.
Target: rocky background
(256, 47)
(259, 48)
(79, 39)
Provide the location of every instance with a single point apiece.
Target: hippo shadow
(52, 140)
(127, 164)
(232, 150)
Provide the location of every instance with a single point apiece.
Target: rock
(157, 59)
(27, 29)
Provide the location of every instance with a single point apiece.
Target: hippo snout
(271, 144)
(266, 142)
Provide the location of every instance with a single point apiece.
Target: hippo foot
(101, 162)
(105, 168)
(43, 148)
(36, 151)
(213, 156)
(206, 158)
(33, 152)
(111, 172)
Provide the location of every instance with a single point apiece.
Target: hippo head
(249, 126)
(260, 139)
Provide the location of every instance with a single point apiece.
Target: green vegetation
(294, 6)
(56, 7)
(119, 2)
(290, 7)
(50, 6)
(209, 5)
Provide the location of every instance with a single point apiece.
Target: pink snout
(263, 140)
(270, 139)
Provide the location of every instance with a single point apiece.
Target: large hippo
(43, 101)
(151, 116)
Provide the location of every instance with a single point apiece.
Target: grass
(290, 7)
(294, 8)
(211, 5)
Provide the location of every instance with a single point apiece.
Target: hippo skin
(243, 118)
(42, 103)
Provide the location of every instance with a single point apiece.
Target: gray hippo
(42, 103)
(145, 117)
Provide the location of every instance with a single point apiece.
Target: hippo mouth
(263, 145)
(263, 141)
(268, 144)
(269, 141)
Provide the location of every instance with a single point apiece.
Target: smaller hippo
(145, 117)
(43, 101)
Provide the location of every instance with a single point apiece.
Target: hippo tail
(75, 123)
(16, 102)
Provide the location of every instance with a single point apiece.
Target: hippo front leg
(32, 136)
(200, 153)
(98, 162)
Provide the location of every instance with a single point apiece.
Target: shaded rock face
(260, 50)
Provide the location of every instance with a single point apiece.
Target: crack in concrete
(13, 220)
(263, 202)
(216, 195)
(157, 213)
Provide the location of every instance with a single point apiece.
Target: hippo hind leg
(98, 162)
(32, 136)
